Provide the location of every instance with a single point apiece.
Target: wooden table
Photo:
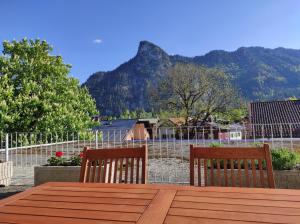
(74, 203)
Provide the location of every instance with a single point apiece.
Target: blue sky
(100, 35)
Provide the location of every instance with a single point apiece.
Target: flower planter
(287, 179)
(44, 174)
(6, 172)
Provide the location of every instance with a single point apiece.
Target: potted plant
(59, 169)
(6, 172)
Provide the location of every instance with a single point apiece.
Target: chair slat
(199, 172)
(219, 172)
(232, 173)
(205, 172)
(246, 165)
(88, 171)
(121, 171)
(116, 170)
(94, 164)
(240, 173)
(131, 170)
(253, 172)
(261, 172)
(126, 170)
(99, 171)
(110, 171)
(104, 170)
(212, 178)
(225, 173)
(137, 170)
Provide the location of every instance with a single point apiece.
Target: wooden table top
(74, 203)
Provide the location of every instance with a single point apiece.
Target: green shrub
(284, 159)
(215, 144)
(257, 144)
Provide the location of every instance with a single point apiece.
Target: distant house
(123, 130)
(275, 119)
(168, 128)
(232, 133)
(151, 124)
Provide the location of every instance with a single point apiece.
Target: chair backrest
(114, 165)
(226, 166)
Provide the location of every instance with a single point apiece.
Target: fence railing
(168, 147)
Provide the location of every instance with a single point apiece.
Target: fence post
(96, 139)
(6, 147)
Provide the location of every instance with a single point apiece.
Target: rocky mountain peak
(150, 50)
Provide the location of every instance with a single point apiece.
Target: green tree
(195, 92)
(36, 93)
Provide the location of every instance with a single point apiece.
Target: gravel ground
(12, 189)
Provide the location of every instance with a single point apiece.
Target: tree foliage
(197, 92)
(36, 93)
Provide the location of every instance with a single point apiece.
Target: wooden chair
(225, 166)
(114, 165)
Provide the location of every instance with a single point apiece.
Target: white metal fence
(168, 147)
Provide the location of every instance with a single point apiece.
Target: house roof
(150, 120)
(177, 120)
(275, 112)
(116, 130)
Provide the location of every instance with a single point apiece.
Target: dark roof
(116, 130)
(275, 112)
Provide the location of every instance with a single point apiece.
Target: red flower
(59, 154)
(81, 155)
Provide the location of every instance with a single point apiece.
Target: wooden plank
(83, 214)
(104, 189)
(238, 201)
(33, 219)
(176, 187)
(95, 194)
(170, 219)
(238, 216)
(21, 195)
(79, 206)
(90, 200)
(158, 209)
(240, 196)
(237, 208)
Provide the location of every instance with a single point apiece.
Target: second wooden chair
(225, 166)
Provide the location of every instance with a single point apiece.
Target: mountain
(259, 73)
